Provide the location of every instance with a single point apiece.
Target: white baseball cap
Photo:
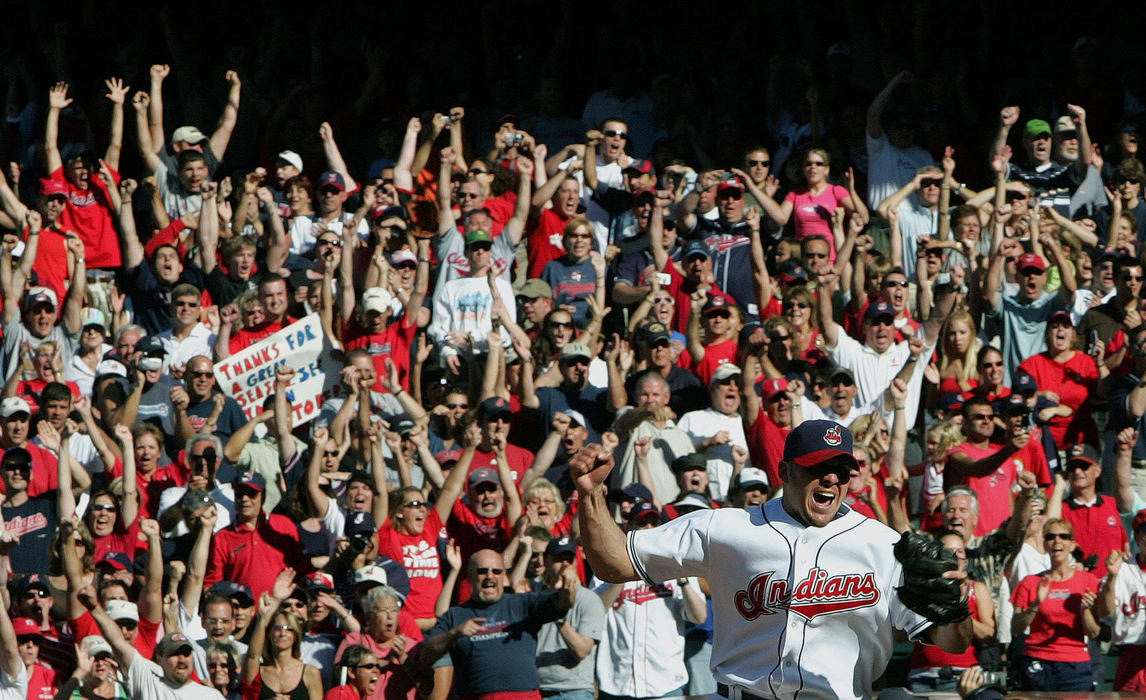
(292, 158)
(376, 299)
(13, 405)
(187, 134)
(370, 574)
(96, 646)
(750, 476)
(122, 610)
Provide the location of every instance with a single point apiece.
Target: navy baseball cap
(561, 545)
(877, 309)
(232, 590)
(632, 492)
(1024, 383)
(251, 479)
(1014, 404)
(816, 441)
(714, 304)
(951, 402)
(643, 511)
(332, 179)
(696, 248)
(493, 406)
(360, 523)
(117, 560)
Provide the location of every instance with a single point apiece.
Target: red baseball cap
(1031, 260)
(769, 388)
(1139, 521)
(27, 627)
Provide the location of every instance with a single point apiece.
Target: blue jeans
(568, 695)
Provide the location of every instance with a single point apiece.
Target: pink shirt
(813, 214)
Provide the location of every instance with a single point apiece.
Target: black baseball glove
(924, 589)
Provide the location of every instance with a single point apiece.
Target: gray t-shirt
(16, 333)
(1024, 326)
(451, 249)
(557, 665)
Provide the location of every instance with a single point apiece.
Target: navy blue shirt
(590, 402)
(501, 656)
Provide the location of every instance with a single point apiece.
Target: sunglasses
(930, 183)
(1134, 278)
(761, 163)
(282, 628)
(103, 506)
(982, 416)
(895, 283)
(202, 374)
(1051, 536)
(779, 338)
(486, 488)
(483, 570)
(814, 163)
(882, 321)
(562, 324)
(37, 593)
(614, 134)
(218, 664)
(127, 624)
(414, 504)
(576, 361)
(789, 305)
(1016, 196)
(463, 406)
(191, 304)
(327, 241)
(375, 667)
(719, 314)
(731, 194)
(843, 381)
(992, 364)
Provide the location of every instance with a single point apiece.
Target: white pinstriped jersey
(1128, 624)
(798, 610)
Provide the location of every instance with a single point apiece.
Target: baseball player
(804, 590)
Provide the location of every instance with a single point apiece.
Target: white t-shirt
(145, 682)
(201, 341)
(302, 237)
(14, 688)
(704, 424)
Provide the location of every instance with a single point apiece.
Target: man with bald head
(491, 639)
(208, 406)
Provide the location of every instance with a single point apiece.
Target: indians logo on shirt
(817, 594)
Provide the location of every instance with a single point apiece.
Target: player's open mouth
(824, 498)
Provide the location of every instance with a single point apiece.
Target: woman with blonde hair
(274, 669)
(958, 371)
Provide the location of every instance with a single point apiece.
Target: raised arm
(57, 100)
(1085, 147)
(198, 560)
(318, 498)
(230, 116)
(516, 225)
(403, 169)
(446, 220)
(158, 74)
(879, 104)
(151, 601)
(208, 232)
(129, 505)
(147, 149)
(605, 545)
(1008, 117)
(334, 158)
(74, 302)
(828, 325)
(1124, 494)
(117, 93)
(455, 484)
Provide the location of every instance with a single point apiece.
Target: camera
(991, 679)
(514, 138)
(1092, 342)
(446, 121)
(359, 542)
(150, 363)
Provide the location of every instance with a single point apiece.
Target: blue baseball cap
(816, 441)
(877, 309)
(696, 248)
(1024, 383)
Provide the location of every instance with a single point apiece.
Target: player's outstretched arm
(605, 545)
(954, 637)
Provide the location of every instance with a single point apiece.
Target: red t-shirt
(520, 460)
(1075, 381)
(545, 241)
(715, 355)
(342, 692)
(766, 446)
(255, 556)
(89, 213)
(41, 683)
(127, 542)
(419, 554)
(394, 343)
(249, 336)
(932, 656)
(682, 290)
(45, 470)
(993, 490)
(1057, 633)
(30, 390)
(472, 533)
(144, 643)
(1097, 527)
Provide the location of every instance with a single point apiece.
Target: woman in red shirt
(1074, 377)
(410, 536)
(1057, 605)
(957, 373)
(798, 309)
(114, 528)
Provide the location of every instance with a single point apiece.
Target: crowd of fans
(496, 293)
